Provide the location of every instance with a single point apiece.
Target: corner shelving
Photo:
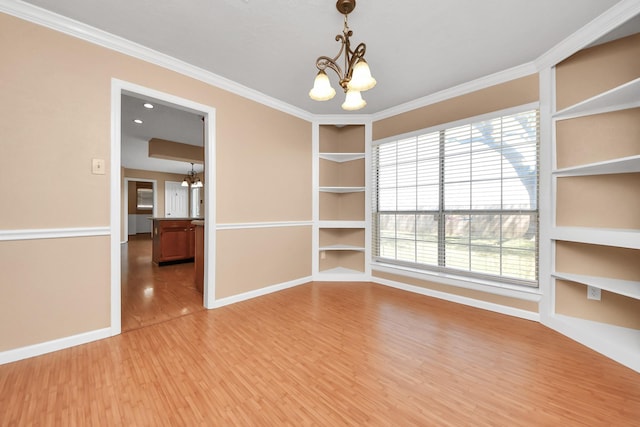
(340, 232)
(597, 247)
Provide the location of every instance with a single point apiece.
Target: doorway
(120, 260)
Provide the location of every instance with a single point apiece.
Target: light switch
(97, 166)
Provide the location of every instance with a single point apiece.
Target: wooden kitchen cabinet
(173, 240)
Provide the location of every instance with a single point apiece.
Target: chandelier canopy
(356, 75)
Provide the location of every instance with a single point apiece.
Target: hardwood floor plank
(326, 354)
(150, 293)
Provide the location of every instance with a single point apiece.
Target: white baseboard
(510, 311)
(54, 345)
(260, 292)
(617, 343)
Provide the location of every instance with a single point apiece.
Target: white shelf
(627, 288)
(341, 189)
(598, 236)
(341, 224)
(629, 164)
(341, 248)
(341, 157)
(616, 342)
(341, 271)
(619, 98)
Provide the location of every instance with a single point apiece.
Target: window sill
(488, 286)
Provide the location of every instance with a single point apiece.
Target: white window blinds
(462, 199)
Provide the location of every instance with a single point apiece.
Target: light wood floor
(152, 294)
(326, 354)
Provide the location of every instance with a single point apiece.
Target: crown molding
(110, 41)
(607, 21)
(463, 89)
(601, 25)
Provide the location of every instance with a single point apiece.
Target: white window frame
(414, 269)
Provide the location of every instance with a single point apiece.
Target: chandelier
(356, 76)
(192, 179)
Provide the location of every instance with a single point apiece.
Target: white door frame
(118, 88)
(125, 202)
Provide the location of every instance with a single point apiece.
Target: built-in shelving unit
(341, 249)
(595, 209)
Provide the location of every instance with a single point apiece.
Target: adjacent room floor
(326, 354)
(152, 293)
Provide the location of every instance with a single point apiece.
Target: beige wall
(52, 288)
(510, 94)
(597, 69)
(597, 138)
(55, 109)
(253, 258)
(468, 293)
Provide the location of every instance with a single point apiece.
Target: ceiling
(415, 48)
(163, 121)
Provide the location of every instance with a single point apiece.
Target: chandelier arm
(354, 56)
(324, 62)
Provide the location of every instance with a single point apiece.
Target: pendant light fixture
(192, 179)
(356, 76)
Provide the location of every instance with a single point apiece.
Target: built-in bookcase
(596, 231)
(341, 239)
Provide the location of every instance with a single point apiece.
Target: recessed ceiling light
(138, 121)
(147, 105)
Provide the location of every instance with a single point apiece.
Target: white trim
(53, 233)
(115, 213)
(496, 288)
(107, 40)
(460, 122)
(210, 204)
(54, 345)
(261, 292)
(118, 87)
(545, 191)
(510, 311)
(614, 342)
(244, 225)
(463, 89)
(609, 20)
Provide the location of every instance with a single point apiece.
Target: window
(461, 199)
(144, 199)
